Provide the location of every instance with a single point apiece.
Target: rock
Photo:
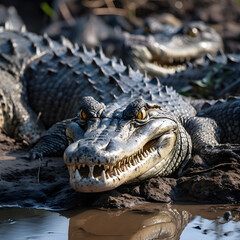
(227, 216)
(159, 189)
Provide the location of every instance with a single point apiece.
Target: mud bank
(45, 184)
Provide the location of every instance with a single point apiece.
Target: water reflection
(146, 223)
(151, 221)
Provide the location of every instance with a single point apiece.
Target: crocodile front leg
(52, 143)
(216, 130)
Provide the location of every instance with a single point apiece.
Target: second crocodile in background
(163, 49)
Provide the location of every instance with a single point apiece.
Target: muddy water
(148, 221)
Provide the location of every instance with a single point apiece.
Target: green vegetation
(47, 9)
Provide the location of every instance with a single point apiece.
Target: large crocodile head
(167, 50)
(118, 144)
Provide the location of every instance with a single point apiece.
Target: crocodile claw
(34, 156)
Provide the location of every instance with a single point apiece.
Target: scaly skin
(168, 49)
(213, 79)
(130, 129)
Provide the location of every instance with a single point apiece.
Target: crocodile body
(215, 78)
(126, 128)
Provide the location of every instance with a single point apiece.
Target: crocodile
(164, 49)
(115, 125)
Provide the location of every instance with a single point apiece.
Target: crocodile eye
(192, 32)
(142, 114)
(83, 115)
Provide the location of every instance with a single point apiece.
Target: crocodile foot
(31, 156)
(223, 150)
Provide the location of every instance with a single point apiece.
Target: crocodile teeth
(91, 172)
(110, 171)
(103, 176)
(77, 175)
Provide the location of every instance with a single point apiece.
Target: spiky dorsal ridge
(226, 105)
(231, 59)
(228, 99)
(155, 81)
(99, 52)
(23, 28)
(8, 26)
(82, 48)
(66, 42)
